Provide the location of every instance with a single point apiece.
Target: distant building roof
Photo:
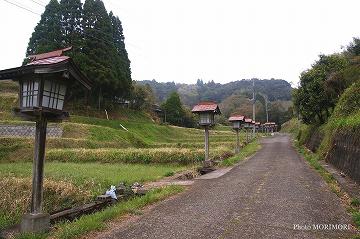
(236, 118)
(257, 123)
(206, 107)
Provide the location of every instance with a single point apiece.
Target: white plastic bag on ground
(111, 192)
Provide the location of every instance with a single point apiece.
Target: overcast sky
(223, 41)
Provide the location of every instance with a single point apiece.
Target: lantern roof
(49, 54)
(248, 120)
(236, 118)
(203, 107)
(47, 63)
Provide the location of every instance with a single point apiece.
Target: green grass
(81, 181)
(244, 152)
(132, 155)
(356, 218)
(97, 221)
(96, 177)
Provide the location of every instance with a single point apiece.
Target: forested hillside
(233, 97)
(190, 94)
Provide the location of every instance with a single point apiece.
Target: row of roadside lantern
(207, 112)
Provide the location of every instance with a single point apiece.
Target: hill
(233, 97)
(190, 94)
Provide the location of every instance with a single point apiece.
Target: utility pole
(266, 109)
(254, 100)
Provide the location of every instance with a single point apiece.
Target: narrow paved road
(263, 197)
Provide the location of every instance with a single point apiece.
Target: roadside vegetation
(328, 104)
(245, 152)
(97, 221)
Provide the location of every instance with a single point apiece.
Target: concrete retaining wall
(314, 141)
(28, 131)
(344, 153)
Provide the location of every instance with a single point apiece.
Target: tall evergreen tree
(100, 50)
(47, 34)
(174, 109)
(98, 44)
(123, 62)
(71, 25)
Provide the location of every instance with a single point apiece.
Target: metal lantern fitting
(206, 112)
(43, 85)
(237, 121)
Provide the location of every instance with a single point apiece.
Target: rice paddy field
(94, 153)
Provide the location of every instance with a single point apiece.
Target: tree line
(274, 89)
(98, 47)
(322, 85)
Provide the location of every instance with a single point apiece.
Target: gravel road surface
(274, 194)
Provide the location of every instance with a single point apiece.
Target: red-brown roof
(236, 118)
(248, 120)
(51, 62)
(48, 61)
(49, 54)
(206, 107)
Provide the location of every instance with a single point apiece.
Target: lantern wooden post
(207, 145)
(38, 165)
(206, 112)
(237, 149)
(43, 84)
(247, 136)
(237, 122)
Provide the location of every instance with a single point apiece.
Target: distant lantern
(267, 127)
(237, 121)
(43, 84)
(247, 123)
(206, 112)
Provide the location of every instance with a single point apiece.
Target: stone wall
(28, 131)
(344, 153)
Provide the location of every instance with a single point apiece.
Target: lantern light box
(206, 112)
(248, 123)
(237, 121)
(42, 93)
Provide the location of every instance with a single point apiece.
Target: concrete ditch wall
(344, 153)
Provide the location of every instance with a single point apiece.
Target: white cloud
(214, 40)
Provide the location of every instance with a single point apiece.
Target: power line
(22, 7)
(38, 3)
